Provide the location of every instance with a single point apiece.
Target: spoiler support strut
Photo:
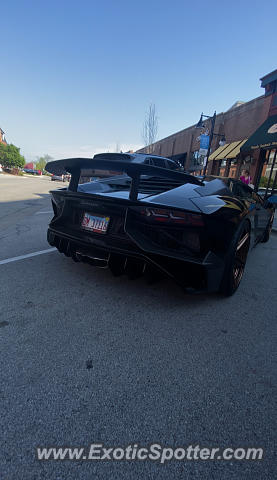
(74, 181)
(133, 195)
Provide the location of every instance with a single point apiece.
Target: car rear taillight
(172, 217)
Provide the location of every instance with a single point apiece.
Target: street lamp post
(210, 143)
(211, 136)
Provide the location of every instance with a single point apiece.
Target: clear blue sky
(77, 77)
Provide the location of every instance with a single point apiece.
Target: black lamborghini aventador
(149, 216)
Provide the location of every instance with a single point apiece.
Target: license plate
(97, 224)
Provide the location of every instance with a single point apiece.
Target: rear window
(159, 162)
(173, 165)
(89, 175)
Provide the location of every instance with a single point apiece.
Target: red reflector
(157, 218)
(172, 217)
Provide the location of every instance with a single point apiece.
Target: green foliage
(10, 156)
(41, 162)
(264, 182)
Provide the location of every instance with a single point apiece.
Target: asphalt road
(164, 367)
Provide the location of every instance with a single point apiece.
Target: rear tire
(236, 260)
(267, 232)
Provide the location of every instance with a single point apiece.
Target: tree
(10, 156)
(264, 182)
(41, 162)
(150, 128)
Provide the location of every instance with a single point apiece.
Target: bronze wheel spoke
(240, 257)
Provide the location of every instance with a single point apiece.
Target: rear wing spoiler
(74, 166)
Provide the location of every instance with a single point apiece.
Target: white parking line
(22, 257)
(48, 211)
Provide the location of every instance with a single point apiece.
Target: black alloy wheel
(267, 232)
(236, 260)
(240, 258)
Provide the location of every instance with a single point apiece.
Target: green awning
(264, 137)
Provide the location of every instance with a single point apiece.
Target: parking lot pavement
(164, 367)
(25, 209)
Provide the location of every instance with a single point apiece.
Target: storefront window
(233, 168)
(222, 167)
(196, 161)
(271, 155)
(269, 171)
(246, 162)
(271, 164)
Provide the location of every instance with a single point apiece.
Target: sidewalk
(32, 176)
(25, 175)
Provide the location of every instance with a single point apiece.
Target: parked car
(198, 232)
(263, 190)
(58, 178)
(31, 171)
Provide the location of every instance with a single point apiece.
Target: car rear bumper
(199, 275)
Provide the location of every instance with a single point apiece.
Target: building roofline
(269, 74)
(236, 109)
(268, 78)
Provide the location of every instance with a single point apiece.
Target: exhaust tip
(96, 262)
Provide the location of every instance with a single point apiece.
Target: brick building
(263, 142)
(235, 127)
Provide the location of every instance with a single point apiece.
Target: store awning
(264, 137)
(229, 150)
(235, 151)
(218, 151)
